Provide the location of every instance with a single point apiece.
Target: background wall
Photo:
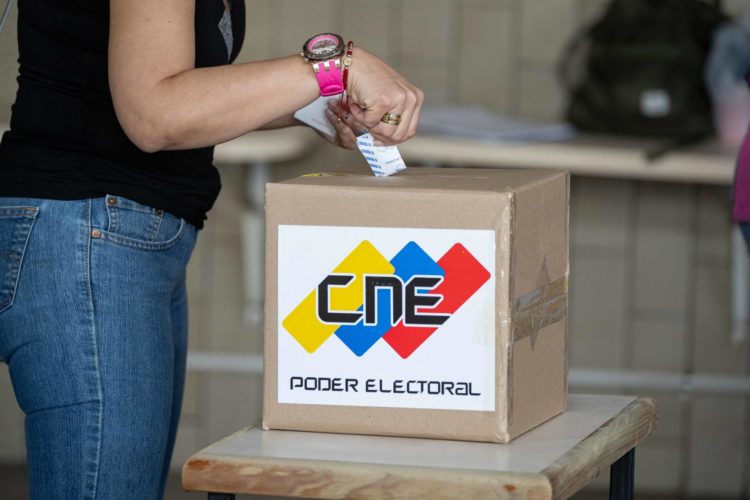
(650, 262)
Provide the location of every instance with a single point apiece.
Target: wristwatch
(323, 52)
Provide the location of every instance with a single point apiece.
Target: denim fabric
(93, 327)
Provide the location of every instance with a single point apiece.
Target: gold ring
(391, 119)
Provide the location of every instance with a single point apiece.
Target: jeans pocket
(133, 224)
(15, 229)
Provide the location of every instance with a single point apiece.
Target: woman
(105, 180)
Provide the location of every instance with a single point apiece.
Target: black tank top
(65, 141)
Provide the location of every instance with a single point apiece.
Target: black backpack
(639, 70)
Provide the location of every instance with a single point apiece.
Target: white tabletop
(531, 452)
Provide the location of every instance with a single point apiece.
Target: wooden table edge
(582, 463)
(331, 479)
(209, 472)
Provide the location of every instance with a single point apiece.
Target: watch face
(323, 46)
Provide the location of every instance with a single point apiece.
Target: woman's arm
(283, 122)
(163, 102)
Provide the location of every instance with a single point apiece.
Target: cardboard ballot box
(431, 304)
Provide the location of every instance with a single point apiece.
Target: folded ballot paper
(383, 160)
(314, 114)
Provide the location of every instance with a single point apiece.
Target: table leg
(221, 496)
(622, 477)
(253, 227)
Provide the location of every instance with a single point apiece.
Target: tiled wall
(650, 262)
(650, 291)
(496, 53)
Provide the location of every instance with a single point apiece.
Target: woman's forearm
(163, 102)
(283, 122)
(205, 106)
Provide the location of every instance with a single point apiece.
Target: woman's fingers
(344, 134)
(405, 109)
(414, 124)
(359, 114)
(378, 89)
(403, 102)
(358, 127)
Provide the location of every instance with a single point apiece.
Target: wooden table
(554, 460)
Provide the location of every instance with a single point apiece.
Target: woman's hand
(376, 89)
(347, 128)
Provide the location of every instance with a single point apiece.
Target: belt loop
(98, 214)
(110, 208)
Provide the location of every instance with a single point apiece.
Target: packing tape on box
(539, 308)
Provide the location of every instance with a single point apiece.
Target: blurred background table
(585, 155)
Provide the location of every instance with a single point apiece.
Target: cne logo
(403, 300)
(403, 305)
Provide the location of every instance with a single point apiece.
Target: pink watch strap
(329, 77)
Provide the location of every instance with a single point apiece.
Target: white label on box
(386, 317)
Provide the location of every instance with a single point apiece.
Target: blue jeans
(93, 327)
